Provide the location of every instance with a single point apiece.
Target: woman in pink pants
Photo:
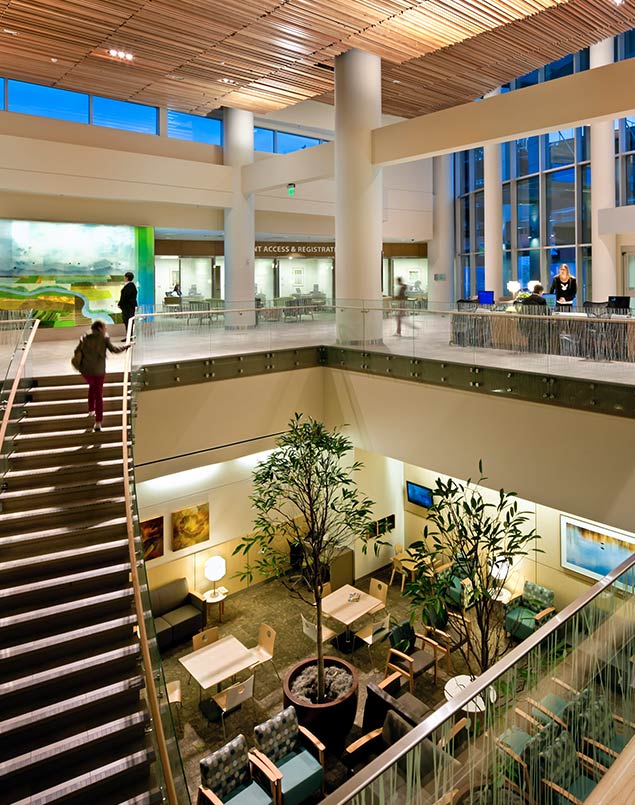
(94, 346)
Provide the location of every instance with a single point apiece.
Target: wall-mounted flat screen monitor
(619, 302)
(486, 297)
(419, 495)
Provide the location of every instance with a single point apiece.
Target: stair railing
(170, 766)
(14, 375)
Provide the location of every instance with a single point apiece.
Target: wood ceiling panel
(265, 54)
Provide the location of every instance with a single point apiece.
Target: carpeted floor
(272, 604)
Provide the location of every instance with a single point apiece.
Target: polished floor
(424, 335)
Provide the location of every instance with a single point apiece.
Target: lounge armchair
(453, 634)
(177, 612)
(412, 653)
(384, 696)
(600, 733)
(527, 612)
(234, 775)
(568, 775)
(294, 753)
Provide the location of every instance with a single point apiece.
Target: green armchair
(234, 775)
(412, 653)
(293, 752)
(568, 775)
(460, 590)
(527, 612)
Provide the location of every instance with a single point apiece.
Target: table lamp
(513, 286)
(500, 569)
(215, 568)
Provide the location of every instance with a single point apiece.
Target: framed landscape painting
(591, 549)
(190, 526)
(152, 538)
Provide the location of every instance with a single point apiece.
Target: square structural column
(358, 199)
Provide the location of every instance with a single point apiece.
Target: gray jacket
(94, 347)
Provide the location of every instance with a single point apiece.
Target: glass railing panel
(553, 715)
(153, 667)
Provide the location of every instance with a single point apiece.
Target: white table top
(218, 661)
(338, 606)
(502, 595)
(455, 685)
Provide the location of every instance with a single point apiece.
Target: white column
(358, 196)
(441, 247)
(240, 237)
(603, 247)
(493, 214)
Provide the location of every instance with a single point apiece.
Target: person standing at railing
(127, 300)
(93, 347)
(565, 287)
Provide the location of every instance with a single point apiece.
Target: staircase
(73, 725)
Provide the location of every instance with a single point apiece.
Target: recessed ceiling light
(173, 77)
(227, 81)
(396, 81)
(120, 54)
(54, 60)
(10, 31)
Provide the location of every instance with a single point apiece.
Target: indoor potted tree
(468, 549)
(305, 495)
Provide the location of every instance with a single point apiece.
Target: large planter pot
(332, 721)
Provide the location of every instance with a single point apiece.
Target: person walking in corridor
(93, 347)
(127, 301)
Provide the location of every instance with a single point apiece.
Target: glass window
(560, 200)
(527, 80)
(507, 217)
(583, 60)
(560, 148)
(528, 266)
(629, 134)
(467, 280)
(480, 274)
(478, 167)
(464, 213)
(479, 222)
(124, 115)
(263, 140)
(507, 270)
(464, 173)
(528, 212)
(505, 147)
(193, 127)
(584, 143)
(527, 156)
(618, 183)
(629, 175)
(196, 278)
(616, 135)
(285, 142)
(584, 275)
(628, 45)
(559, 68)
(585, 212)
(61, 104)
(1, 93)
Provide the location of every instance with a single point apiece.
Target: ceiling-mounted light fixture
(122, 55)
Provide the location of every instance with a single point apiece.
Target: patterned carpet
(272, 604)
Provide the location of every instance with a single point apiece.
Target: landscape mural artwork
(190, 526)
(591, 549)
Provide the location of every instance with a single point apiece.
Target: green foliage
(469, 535)
(305, 495)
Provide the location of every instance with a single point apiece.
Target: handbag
(78, 357)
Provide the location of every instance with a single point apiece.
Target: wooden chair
(231, 698)
(310, 630)
(174, 696)
(412, 653)
(397, 567)
(373, 633)
(264, 648)
(378, 589)
(204, 638)
(234, 773)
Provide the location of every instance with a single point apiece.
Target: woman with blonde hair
(565, 287)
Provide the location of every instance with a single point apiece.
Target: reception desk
(606, 338)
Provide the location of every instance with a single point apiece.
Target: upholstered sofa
(177, 613)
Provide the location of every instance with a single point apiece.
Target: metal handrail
(143, 636)
(438, 717)
(16, 382)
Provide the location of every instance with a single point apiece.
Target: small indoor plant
(305, 495)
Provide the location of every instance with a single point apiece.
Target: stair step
(65, 588)
(70, 645)
(22, 479)
(53, 760)
(85, 558)
(30, 730)
(13, 546)
(101, 446)
(37, 497)
(82, 434)
(147, 798)
(93, 785)
(74, 379)
(77, 675)
(88, 511)
(71, 392)
(63, 422)
(47, 619)
(72, 406)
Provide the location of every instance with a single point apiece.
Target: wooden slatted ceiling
(197, 55)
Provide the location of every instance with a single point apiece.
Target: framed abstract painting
(190, 526)
(591, 549)
(152, 538)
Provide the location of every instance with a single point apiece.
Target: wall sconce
(215, 569)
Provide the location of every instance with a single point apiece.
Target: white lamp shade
(500, 568)
(532, 284)
(513, 286)
(215, 568)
